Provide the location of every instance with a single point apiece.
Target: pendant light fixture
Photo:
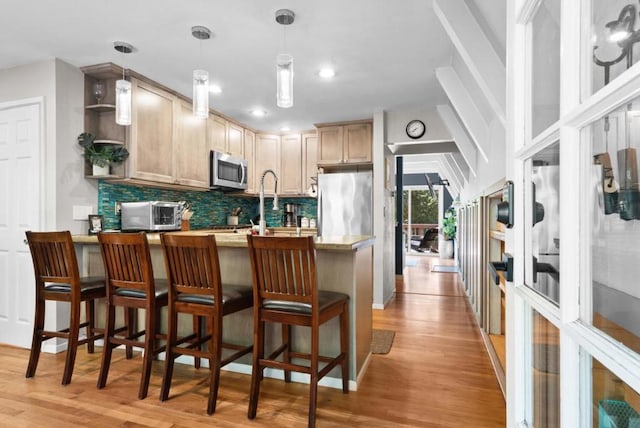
(123, 89)
(201, 77)
(284, 64)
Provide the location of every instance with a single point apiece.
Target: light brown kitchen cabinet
(330, 145)
(267, 156)
(235, 137)
(191, 150)
(152, 134)
(249, 144)
(291, 158)
(309, 160)
(349, 143)
(217, 133)
(224, 136)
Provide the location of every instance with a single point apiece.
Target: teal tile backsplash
(209, 208)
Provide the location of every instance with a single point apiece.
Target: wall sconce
(284, 64)
(123, 89)
(201, 77)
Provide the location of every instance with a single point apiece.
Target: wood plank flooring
(437, 375)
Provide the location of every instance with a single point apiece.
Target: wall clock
(416, 129)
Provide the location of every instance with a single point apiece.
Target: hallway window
(546, 373)
(613, 194)
(614, 403)
(545, 79)
(542, 264)
(612, 25)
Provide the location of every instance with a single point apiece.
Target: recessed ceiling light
(258, 112)
(215, 89)
(327, 73)
(285, 129)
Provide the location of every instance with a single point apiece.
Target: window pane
(546, 373)
(614, 196)
(545, 94)
(612, 43)
(542, 264)
(615, 404)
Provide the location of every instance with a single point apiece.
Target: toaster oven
(150, 216)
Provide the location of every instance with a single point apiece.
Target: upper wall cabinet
(152, 133)
(310, 160)
(249, 144)
(348, 143)
(291, 158)
(191, 149)
(267, 156)
(224, 136)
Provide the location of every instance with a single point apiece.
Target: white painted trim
(528, 11)
(465, 145)
(476, 51)
(465, 106)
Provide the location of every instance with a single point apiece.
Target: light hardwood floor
(437, 375)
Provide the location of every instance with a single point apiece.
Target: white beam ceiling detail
(466, 147)
(476, 51)
(449, 174)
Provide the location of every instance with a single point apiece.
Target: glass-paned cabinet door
(542, 234)
(545, 66)
(545, 360)
(611, 192)
(613, 402)
(615, 29)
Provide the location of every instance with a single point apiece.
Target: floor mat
(444, 269)
(381, 341)
(411, 262)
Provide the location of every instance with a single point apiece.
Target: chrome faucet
(263, 222)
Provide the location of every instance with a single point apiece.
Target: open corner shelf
(115, 142)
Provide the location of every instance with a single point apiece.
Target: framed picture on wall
(96, 224)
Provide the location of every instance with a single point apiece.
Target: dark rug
(381, 341)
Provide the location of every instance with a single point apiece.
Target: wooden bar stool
(57, 278)
(285, 291)
(195, 288)
(131, 285)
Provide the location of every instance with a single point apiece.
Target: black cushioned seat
(325, 300)
(231, 294)
(87, 284)
(162, 289)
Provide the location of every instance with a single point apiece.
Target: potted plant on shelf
(448, 233)
(101, 156)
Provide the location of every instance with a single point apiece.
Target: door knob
(506, 265)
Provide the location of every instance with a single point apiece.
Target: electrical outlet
(116, 207)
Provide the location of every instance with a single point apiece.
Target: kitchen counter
(231, 239)
(344, 264)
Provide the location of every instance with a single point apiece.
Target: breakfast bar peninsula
(344, 264)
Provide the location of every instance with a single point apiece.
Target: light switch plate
(81, 212)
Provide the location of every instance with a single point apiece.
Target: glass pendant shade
(284, 76)
(201, 93)
(123, 102)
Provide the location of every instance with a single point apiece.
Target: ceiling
(384, 52)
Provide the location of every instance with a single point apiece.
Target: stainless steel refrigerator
(345, 203)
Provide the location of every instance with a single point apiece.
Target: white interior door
(20, 210)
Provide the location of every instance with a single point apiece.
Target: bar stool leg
(72, 342)
(313, 382)
(215, 355)
(286, 340)
(90, 329)
(149, 346)
(36, 340)
(108, 346)
(344, 346)
(256, 372)
(172, 332)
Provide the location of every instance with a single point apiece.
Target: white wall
(396, 124)
(383, 218)
(72, 187)
(488, 173)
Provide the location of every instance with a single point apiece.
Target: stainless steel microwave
(150, 216)
(227, 172)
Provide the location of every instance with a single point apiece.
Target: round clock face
(416, 129)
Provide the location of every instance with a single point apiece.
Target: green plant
(101, 154)
(449, 224)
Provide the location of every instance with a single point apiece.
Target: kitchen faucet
(263, 222)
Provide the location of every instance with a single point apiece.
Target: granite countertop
(230, 239)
